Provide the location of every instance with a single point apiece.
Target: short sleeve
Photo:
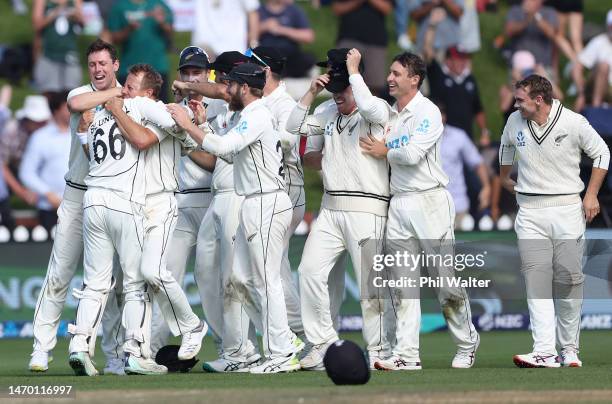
(299, 19)
(589, 55)
(514, 14)
(250, 5)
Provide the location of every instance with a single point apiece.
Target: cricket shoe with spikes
(289, 363)
(537, 360)
(140, 366)
(82, 364)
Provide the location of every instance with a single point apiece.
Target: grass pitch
(493, 379)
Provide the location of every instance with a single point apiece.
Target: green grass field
(494, 377)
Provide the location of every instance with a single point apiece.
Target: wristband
(82, 137)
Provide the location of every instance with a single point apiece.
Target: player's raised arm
(86, 101)
(207, 89)
(299, 122)
(372, 108)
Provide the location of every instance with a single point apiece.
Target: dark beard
(235, 103)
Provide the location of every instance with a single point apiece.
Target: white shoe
(465, 359)
(82, 364)
(569, 358)
(192, 342)
(397, 363)
(314, 358)
(536, 360)
(114, 366)
(39, 361)
(229, 365)
(289, 363)
(141, 366)
(376, 356)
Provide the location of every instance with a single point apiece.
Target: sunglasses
(192, 50)
(249, 53)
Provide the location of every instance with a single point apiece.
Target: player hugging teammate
(220, 171)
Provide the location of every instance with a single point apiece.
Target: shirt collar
(252, 105)
(412, 105)
(457, 79)
(556, 104)
(277, 93)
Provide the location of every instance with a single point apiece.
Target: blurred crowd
(546, 37)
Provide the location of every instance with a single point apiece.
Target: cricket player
(265, 214)
(193, 196)
(548, 140)
(116, 218)
(421, 214)
(102, 64)
(353, 211)
(280, 103)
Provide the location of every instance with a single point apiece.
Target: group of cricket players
(219, 172)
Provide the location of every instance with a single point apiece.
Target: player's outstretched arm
(204, 160)
(85, 101)
(210, 90)
(138, 136)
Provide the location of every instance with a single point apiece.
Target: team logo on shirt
(520, 139)
(398, 142)
(241, 127)
(559, 139)
(423, 126)
(329, 129)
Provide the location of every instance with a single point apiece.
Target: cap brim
(193, 65)
(335, 86)
(324, 63)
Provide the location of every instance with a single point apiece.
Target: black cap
(346, 363)
(228, 60)
(249, 73)
(268, 56)
(338, 74)
(193, 56)
(168, 357)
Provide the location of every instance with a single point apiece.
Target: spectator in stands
(569, 14)
(284, 26)
(56, 25)
(451, 81)
(13, 140)
(469, 28)
(143, 28)
(225, 25)
(104, 8)
(6, 216)
(533, 27)
(402, 20)
(447, 30)
(597, 57)
(523, 65)
(45, 161)
(457, 150)
(362, 26)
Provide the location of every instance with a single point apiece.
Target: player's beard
(235, 102)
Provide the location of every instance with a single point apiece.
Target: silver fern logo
(559, 139)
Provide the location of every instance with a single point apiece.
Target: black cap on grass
(346, 363)
(168, 356)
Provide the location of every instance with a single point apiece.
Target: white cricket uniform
(265, 216)
(114, 221)
(215, 255)
(550, 223)
(67, 248)
(193, 199)
(352, 218)
(280, 103)
(421, 213)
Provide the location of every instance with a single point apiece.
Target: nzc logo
(520, 139)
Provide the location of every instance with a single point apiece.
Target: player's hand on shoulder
(114, 105)
(180, 115)
(199, 112)
(374, 147)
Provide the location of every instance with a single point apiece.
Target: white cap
(35, 108)
(609, 17)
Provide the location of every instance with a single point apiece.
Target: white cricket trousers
(333, 233)
(415, 221)
(160, 221)
(256, 275)
(551, 244)
(290, 287)
(109, 224)
(63, 263)
(181, 244)
(214, 259)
